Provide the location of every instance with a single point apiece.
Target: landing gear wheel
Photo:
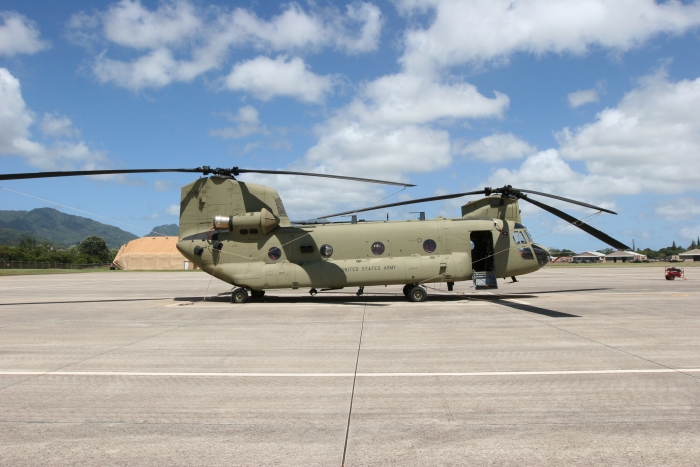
(407, 289)
(670, 277)
(360, 291)
(239, 295)
(257, 293)
(313, 291)
(417, 294)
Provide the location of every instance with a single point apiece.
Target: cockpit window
(527, 234)
(519, 238)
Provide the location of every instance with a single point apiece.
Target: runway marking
(342, 375)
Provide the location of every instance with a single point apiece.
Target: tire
(239, 295)
(257, 293)
(670, 277)
(417, 294)
(407, 288)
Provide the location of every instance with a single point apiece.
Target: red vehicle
(671, 273)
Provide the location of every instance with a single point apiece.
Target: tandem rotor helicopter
(240, 233)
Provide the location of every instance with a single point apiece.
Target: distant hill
(170, 230)
(64, 230)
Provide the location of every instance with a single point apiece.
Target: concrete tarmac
(569, 366)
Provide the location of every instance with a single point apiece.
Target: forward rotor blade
(74, 173)
(403, 203)
(310, 174)
(561, 198)
(580, 224)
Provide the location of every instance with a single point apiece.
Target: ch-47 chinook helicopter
(240, 233)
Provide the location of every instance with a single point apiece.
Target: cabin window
(253, 231)
(378, 248)
(526, 253)
(243, 232)
(274, 253)
(429, 245)
(307, 248)
(326, 251)
(519, 238)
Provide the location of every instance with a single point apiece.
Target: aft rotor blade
(311, 174)
(74, 173)
(561, 198)
(206, 170)
(403, 203)
(580, 224)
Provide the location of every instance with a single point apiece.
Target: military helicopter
(240, 233)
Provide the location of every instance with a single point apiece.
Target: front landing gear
(313, 291)
(360, 291)
(239, 295)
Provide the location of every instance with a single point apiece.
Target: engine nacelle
(262, 220)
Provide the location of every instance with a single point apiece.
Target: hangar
(691, 255)
(590, 257)
(151, 253)
(625, 257)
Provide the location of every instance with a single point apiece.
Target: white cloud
(55, 125)
(162, 185)
(651, 138)
(179, 42)
(266, 78)
(495, 148)
(406, 98)
(18, 35)
(579, 98)
(16, 139)
(172, 210)
(247, 122)
(129, 24)
(681, 209)
(691, 233)
(380, 151)
(484, 30)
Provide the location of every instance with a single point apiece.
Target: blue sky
(589, 99)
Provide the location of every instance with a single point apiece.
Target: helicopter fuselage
(343, 254)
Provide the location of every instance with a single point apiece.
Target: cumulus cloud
(54, 125)
(495, 148)
(579, 98)
(652, 136)
(179, 42)
(19, 35)
(681, 209)
(266, 78)
(484, 30)
(16, 139)
(247, 121)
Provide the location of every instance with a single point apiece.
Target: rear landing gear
(239, 295)
(417, 294)
(257, 293)
(313, 291)
(407, 288)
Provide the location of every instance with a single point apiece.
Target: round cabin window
(326, 251)
(274, 253)
(429, 245)
(377, 248)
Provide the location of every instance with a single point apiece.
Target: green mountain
(170, 230)
(64, 230)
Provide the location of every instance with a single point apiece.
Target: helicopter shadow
(378, 299)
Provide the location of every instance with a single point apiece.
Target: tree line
(90, 250)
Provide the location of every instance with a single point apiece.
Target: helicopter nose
(541, 254)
